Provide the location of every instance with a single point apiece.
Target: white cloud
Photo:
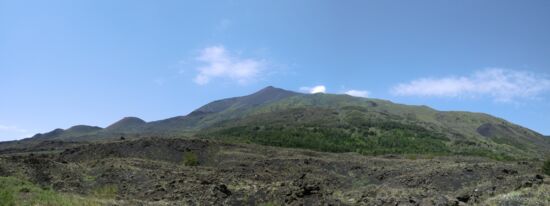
(220, 64)
(315, 89)
(502, 85)
(357, 93)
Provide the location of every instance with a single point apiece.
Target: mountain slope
(75, 131)
(219, 110)
(126, 124)
(343, 123)
(336, 123)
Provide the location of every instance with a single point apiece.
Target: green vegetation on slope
(349, 129)
(16, 192)
(397, 141)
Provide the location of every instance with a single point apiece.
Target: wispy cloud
(8, 132)
(358, 93)
(160, 81)
(223, 24)
(503, 85)
(6, 128)
(221, 64)
(315, 89)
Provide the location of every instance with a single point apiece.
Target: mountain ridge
(344, 116)
(125, 124)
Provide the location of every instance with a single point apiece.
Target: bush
(546, 167)
(190, 159)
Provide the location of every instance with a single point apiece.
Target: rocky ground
(153, 171)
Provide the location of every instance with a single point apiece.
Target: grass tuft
(190, 159)
(106, 192)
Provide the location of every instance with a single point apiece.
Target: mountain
(219, 110)
(49, 135)
(334, 123)
(342, 123)
(75, 131)
(126, 124)
(265, 96)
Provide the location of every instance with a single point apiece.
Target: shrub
(546, 167)
(190, 159)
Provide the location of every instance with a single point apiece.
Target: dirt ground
(152, 171)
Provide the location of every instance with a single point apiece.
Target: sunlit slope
(330, 122)
(345, 123)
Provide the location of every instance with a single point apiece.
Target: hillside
(75, 131)
(334, 123)
(219, 110)
(342, 123)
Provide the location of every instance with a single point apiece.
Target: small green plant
(89, 178)
(411, 156)
(546, 167)
(106, 192)
(190, 159)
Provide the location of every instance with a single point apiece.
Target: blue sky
(64, 63)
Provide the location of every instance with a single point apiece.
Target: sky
(64, 63)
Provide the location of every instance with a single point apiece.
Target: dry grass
(533, 196)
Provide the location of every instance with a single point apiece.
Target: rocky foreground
(157, 171)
